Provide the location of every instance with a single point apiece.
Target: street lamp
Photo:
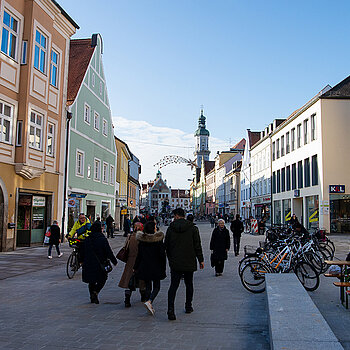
(69, 116)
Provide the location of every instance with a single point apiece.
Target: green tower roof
(201, 131)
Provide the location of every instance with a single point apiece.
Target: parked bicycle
(73, 262)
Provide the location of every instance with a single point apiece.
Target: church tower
(202, 141)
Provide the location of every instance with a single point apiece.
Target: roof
(208, 166)
(125, 144)
(254, 137)
(65, 14)
(341, 90)
(80, 54)
(239, 146)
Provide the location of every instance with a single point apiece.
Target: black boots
(171, 315)
(127, 298)
(94, 298)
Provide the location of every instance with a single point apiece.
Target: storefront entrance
(298, 209)
(340, 213)
(32, 219)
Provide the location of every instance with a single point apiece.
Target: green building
(92, 150)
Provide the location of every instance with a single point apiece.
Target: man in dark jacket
(183, 248)
(55, 239)
(96, 251)
(237, 229)
(109, 224)
(127, 225)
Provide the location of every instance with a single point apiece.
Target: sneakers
(49, 257)
(171, 315)
(59, 255)
(149, 307)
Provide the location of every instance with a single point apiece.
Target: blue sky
(247, 62)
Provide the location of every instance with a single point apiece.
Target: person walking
(150, 264)
(55, 239)
(212, 221)
(109, 224)
(95, 253)
(127, 225)
(183, 247)
(219, 246)
(237, 229)
(129, 265)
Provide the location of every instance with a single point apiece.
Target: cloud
(151, 143)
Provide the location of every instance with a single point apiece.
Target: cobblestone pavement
(41, 309)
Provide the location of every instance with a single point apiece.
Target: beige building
(310, 171)
(33, 83)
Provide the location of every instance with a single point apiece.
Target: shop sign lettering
(336, 188)
(38, 201)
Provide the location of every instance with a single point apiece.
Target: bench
(295, 325)
(343, 291)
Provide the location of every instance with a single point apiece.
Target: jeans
(236, 241)
(150, 292)
(174, 285)
(57, 249)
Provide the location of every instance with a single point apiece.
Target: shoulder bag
(123, 253)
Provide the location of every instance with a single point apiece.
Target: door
(24, 220)
(90, 212)
(298, 209)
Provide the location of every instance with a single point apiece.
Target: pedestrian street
(43, 309)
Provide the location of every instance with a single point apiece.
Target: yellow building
(122, 180)
(33, 84)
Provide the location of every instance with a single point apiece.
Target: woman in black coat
(54, 239)
(219, 246)
(150, 262)
(95, 253)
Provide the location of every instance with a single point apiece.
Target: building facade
(134, 186)
(92, 151)
(33, 83)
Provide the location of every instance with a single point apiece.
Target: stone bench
(295, 322)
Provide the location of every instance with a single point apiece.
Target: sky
(247, 62)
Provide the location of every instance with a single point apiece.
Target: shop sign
(267, 199)
(38, 201)
(296, 193)
(78, 195)
(122, 200)
(324, 208)
(72, 203)
(336, 188)
(124, 211)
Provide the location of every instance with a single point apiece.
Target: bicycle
(73, 263)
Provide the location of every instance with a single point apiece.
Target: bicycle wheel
(307, 275)
(244, 262)
(72, 264)
(327, 251)
(253, 276)
(315, 260)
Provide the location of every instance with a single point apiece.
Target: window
(294, 176)
(282, 146)
(96, 121)
(19, 133)
(50, 139)
(6, 116)
(306, 140)
(283, 179)
(105, 127)
(97, 170)
(24, 52)
(93, 80)
(36, 130)
(105, 173)
(314, 170)
(278, 148)
(89, 171)
(313, 127)
(100, 87)
(79, 164)
(300, 174)
(54, 68)
(288, 178)
(111, 175)
(9, 35)
(298, 135)
(307, 172)
(292, 135)
(273, 150)
(40, 51)
(278, 182)
(87, 113)
(287, 143)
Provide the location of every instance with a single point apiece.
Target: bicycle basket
(249, 249)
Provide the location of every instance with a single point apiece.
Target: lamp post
(68, 119)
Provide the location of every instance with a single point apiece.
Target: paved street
(42, 309)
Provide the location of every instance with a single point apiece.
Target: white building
(310, 169)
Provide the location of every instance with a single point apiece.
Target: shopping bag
(46, 240)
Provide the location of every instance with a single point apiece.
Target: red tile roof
(239, 145)
(254, 137)
(208, 165)
(79, 58)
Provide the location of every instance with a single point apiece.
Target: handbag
(108, 266)
(123, 253)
